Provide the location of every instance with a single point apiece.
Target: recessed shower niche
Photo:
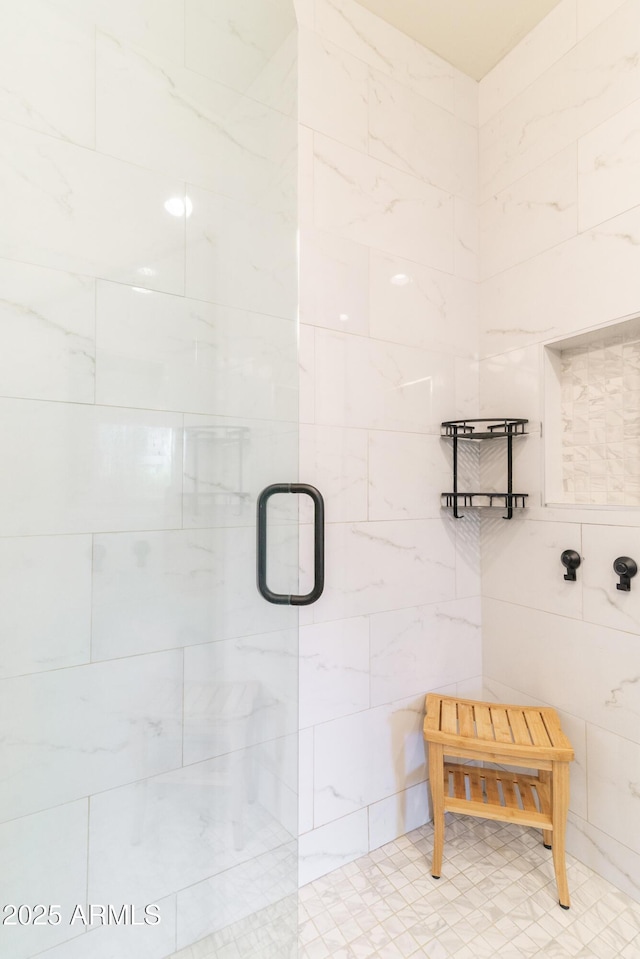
(592, 417)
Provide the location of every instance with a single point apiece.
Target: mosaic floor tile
(496, 898)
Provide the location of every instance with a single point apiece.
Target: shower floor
(496, 898)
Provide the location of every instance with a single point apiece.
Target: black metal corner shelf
(493, 428)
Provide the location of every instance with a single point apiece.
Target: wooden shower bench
(524, 736)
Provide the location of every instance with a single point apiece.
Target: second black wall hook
(571, 559)
(625, 568)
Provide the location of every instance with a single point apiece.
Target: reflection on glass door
(148, 392)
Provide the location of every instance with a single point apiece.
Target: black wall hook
(571, 560)
(626, 569)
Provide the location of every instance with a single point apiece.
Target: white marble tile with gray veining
(370, 202)
(368, 756)
(420, 306)
(47, 853)
(333, 90)
(414, 135)
(537, 212)
(544, 45)
(228, 143)
(609, 168)
(414, 651)
(72, 732)
(61, 47)
(47, 334)
(380, 385)
(76, 210)
(595, 678)
(79, 468)
(334, 283)
(242, 255)
(234, 45)
(385, 565)
(407, 474)
(334, 670)
(54, 630)
(164, 352)
(151, 838)
(369, 38)
(336, 461)
(239, 692)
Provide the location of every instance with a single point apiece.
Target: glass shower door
(148, 393)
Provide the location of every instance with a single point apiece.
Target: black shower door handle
(284, 599)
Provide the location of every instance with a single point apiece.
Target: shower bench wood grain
(523, 736)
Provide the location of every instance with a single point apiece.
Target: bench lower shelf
(497, 794)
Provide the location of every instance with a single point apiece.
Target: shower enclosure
(148, 393)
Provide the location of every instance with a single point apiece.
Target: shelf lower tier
(485, 500)
(497, 794)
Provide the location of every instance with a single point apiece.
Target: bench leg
(436, 779)
(560, 807)
(547, 834)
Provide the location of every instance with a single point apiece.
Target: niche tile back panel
(600, 384)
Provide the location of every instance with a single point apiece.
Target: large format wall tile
(381, 385)
(591, 13)
(420, 306)
(370, 202)
(82, 468)
(60, 48)
(241, 255)
(537, 212)
(45, 615)
(155, 25)
(334, 670)
(238, 693)
(337, 461)
(333, 91)
(598, 77)
(416, 136)
(143, 941)
(586, 281)
(221, 490)
(385, 565)
(228, 143)
(407, 474)
(594, 674)
(166, 352)
(609, 168)
(76, 210)
(369, 38)
(334, 282)
(399, 814)
(239, 893)
(540, 49)
(348, 773)
(120, 722)
(232, 43)
(415, 651)
(47, 334)
(327, 848)
(521, 563)
(45, 859)
(151, 838)
(610, 859)
(613, 783)
(604, 603)
(166, 589)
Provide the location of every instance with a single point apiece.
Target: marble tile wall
(148, 390)
(559, 241)
(388, 309)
